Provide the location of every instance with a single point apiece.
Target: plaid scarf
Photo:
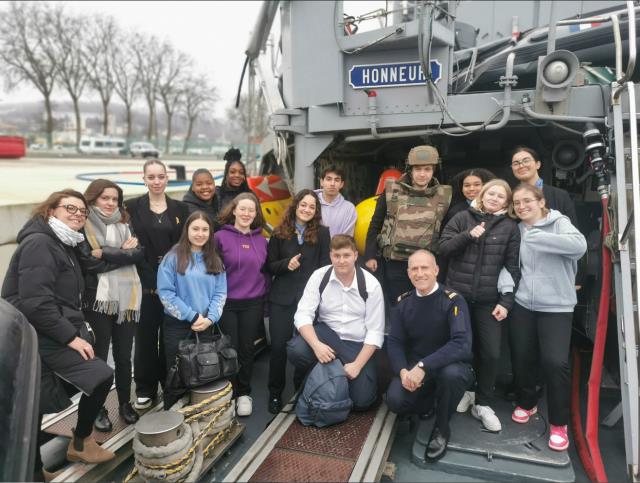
(119, 291)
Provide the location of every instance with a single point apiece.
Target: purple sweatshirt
(244, 257)
(339, 216)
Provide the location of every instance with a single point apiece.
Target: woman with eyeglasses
(540, 329)
(244, 253)
(479, 242)
(157, 221)
(112, 289)
(44, 281)
(298, 246)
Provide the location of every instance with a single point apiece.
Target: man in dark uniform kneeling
(429, 349)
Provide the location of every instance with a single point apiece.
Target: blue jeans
(363, 390)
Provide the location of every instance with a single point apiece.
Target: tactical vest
(413, 219)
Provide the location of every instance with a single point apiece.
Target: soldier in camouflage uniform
(408, 217)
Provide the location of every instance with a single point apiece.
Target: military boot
(87, 450)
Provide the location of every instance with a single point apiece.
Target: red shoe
(558, 439)
(521, 415)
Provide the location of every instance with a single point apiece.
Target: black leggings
(241, 320)
(542, 338)
(107, 329)
(280, 331)
(487, 333)
(149, 360)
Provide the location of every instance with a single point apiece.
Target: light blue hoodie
(549, 254)
(195, 292)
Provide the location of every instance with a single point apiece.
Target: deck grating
(65, 425)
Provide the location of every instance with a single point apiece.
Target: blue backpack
(325, 398)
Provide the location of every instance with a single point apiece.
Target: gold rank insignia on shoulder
(450, 293)
(404, 296)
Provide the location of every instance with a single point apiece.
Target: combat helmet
(420, 155)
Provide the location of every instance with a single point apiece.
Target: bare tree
(150, 55)
(171, 85)
(99, 47)
(125, 75)
(249, 119)
(199, 98)
(23, 35)
(65, 50)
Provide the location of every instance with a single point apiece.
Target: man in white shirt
(348, 327)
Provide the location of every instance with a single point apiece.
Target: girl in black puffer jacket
(478, 242)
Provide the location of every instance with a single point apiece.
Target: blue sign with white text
(392, 75)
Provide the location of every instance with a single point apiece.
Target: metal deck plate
(65, 425)
(286, 465)
(342, 440)
(306, 453)
(519, 451)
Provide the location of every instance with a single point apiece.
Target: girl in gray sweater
(540, 327)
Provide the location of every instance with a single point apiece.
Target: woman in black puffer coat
(478, 242)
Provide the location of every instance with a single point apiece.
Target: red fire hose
(591, 457)
(576, 420)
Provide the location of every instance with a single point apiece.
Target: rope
(196, 407)
(189, 464)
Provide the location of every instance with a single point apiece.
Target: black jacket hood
(36, 224)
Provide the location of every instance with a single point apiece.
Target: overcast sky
(214, 33)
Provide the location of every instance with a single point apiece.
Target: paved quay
(28, 181)
(31, 179)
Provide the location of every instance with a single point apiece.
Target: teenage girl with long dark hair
(192, 287)
(298, 246)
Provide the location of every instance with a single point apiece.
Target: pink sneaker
(558, 439)
(521, 415)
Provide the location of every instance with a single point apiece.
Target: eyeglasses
(526, 201)
(72, 210)
(521, 162)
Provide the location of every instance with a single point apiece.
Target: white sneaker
(488, 417)
(142, 403)
(468, 399)
(244, 406)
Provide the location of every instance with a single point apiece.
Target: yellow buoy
(365, 211)
(273, 211)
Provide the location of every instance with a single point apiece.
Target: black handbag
(200, 363)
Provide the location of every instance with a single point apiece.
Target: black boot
(102, 422)
(128, 414)
(437, 446)
(275, 404)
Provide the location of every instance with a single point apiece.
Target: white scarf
(65, 234)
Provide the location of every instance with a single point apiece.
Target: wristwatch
(421, 365)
